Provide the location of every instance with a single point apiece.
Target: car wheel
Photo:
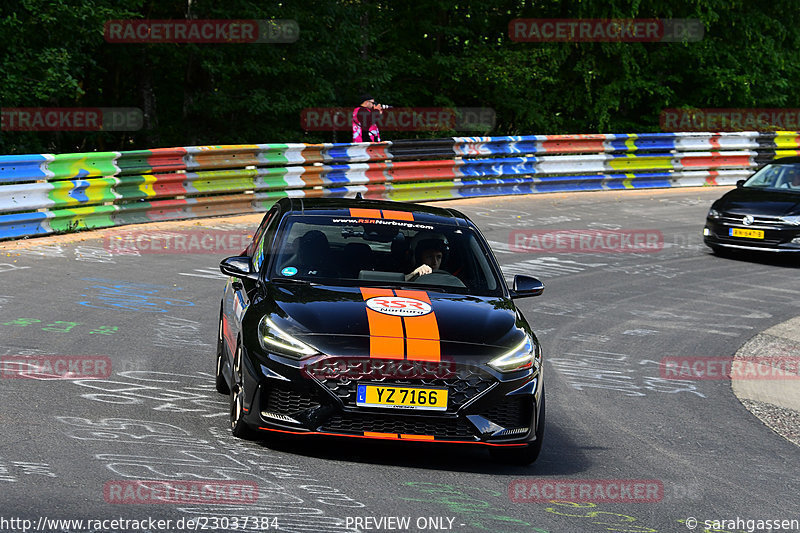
(527, 454)
(222, 385)
(239, 427)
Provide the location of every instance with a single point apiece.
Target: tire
(528, 454)
(221, 384)
(239, 427)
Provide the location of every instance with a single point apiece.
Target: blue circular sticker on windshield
(289, 271)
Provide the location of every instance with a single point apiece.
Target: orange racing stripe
(422, 332)
(386, 339)
(414, 437)
(376, 435)
(398, 215)
(377, 213)
(365, 213)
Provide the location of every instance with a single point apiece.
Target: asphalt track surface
(606, 321)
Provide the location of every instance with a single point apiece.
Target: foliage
(426, 53)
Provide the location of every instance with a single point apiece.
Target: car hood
(768, 202)
(334, 319)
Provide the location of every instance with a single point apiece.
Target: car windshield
(776, 176)
(351, 251)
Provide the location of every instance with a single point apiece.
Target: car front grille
(775, 230)
(511, 413)
(358, 423)
(737, 220)
(342, 376)
(287, 402)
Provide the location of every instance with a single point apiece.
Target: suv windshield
(351, 251)
(781, 176)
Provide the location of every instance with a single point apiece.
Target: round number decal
(399, 306)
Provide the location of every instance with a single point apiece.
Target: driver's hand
(423, 269)
(419, 271)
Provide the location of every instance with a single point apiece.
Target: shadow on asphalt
(790, 260)
(560, 455)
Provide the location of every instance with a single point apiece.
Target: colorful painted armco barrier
(46, 193)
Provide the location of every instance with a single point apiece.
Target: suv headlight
(524, 355)
(274, 339)
(713, 213)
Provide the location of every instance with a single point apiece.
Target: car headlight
(713, 213)
(795, 219)
(523, 355)
(272, 338)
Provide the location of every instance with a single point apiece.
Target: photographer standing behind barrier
(365, 120)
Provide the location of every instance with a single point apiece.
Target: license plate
(402, 397)
(747, 233)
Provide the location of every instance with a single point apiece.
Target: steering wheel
(441, 277)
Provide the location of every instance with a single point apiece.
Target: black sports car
(379, 320)
(762, 213)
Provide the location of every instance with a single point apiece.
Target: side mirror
(238, 267)
(740, 183)
(525, 286)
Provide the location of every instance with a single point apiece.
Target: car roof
(785, 160)
(344, 207)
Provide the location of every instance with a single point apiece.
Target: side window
(483, 273)
(258, 255)
(768, 177)
(262, 237)
(254, 242)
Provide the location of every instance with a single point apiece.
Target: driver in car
(793, 179)
(430, 252)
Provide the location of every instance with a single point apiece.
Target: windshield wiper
(294, 281)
